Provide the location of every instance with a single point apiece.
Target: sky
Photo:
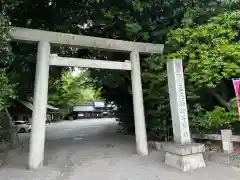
(77, 71)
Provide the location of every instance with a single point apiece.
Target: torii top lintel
(34, 35)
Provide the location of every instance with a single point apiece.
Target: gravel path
(92, 150)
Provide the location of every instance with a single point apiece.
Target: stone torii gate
(182, 154)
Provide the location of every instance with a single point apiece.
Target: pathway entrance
(93, 150)
(183, 155)
(45, 59)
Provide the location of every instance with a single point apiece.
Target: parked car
(22, 126)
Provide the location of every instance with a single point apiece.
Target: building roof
(90, 106)
(29, 105)
(83, 108)
(99, 104)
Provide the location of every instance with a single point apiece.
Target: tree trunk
(222, 101)
(13, 132)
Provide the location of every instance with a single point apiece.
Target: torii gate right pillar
(138, 107)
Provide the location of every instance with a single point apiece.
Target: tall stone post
(37, 140)
(178, 102)
(139, 118)
(182, 154)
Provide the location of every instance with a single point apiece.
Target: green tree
(211, 55)
(72, 90)
(6, 57)
(136, 20)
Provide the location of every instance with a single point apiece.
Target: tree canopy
(211, 58)
(203, 33)
(72, 90)
(6, 58)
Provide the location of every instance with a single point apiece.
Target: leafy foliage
(6, 91)
(72, 90)
(155, 90)
(211, 50)
(218, 118)
(208, 47)
(211, 57)
(6, 57)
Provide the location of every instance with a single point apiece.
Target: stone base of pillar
(185, 157)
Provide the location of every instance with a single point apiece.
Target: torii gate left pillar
(37, 140)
